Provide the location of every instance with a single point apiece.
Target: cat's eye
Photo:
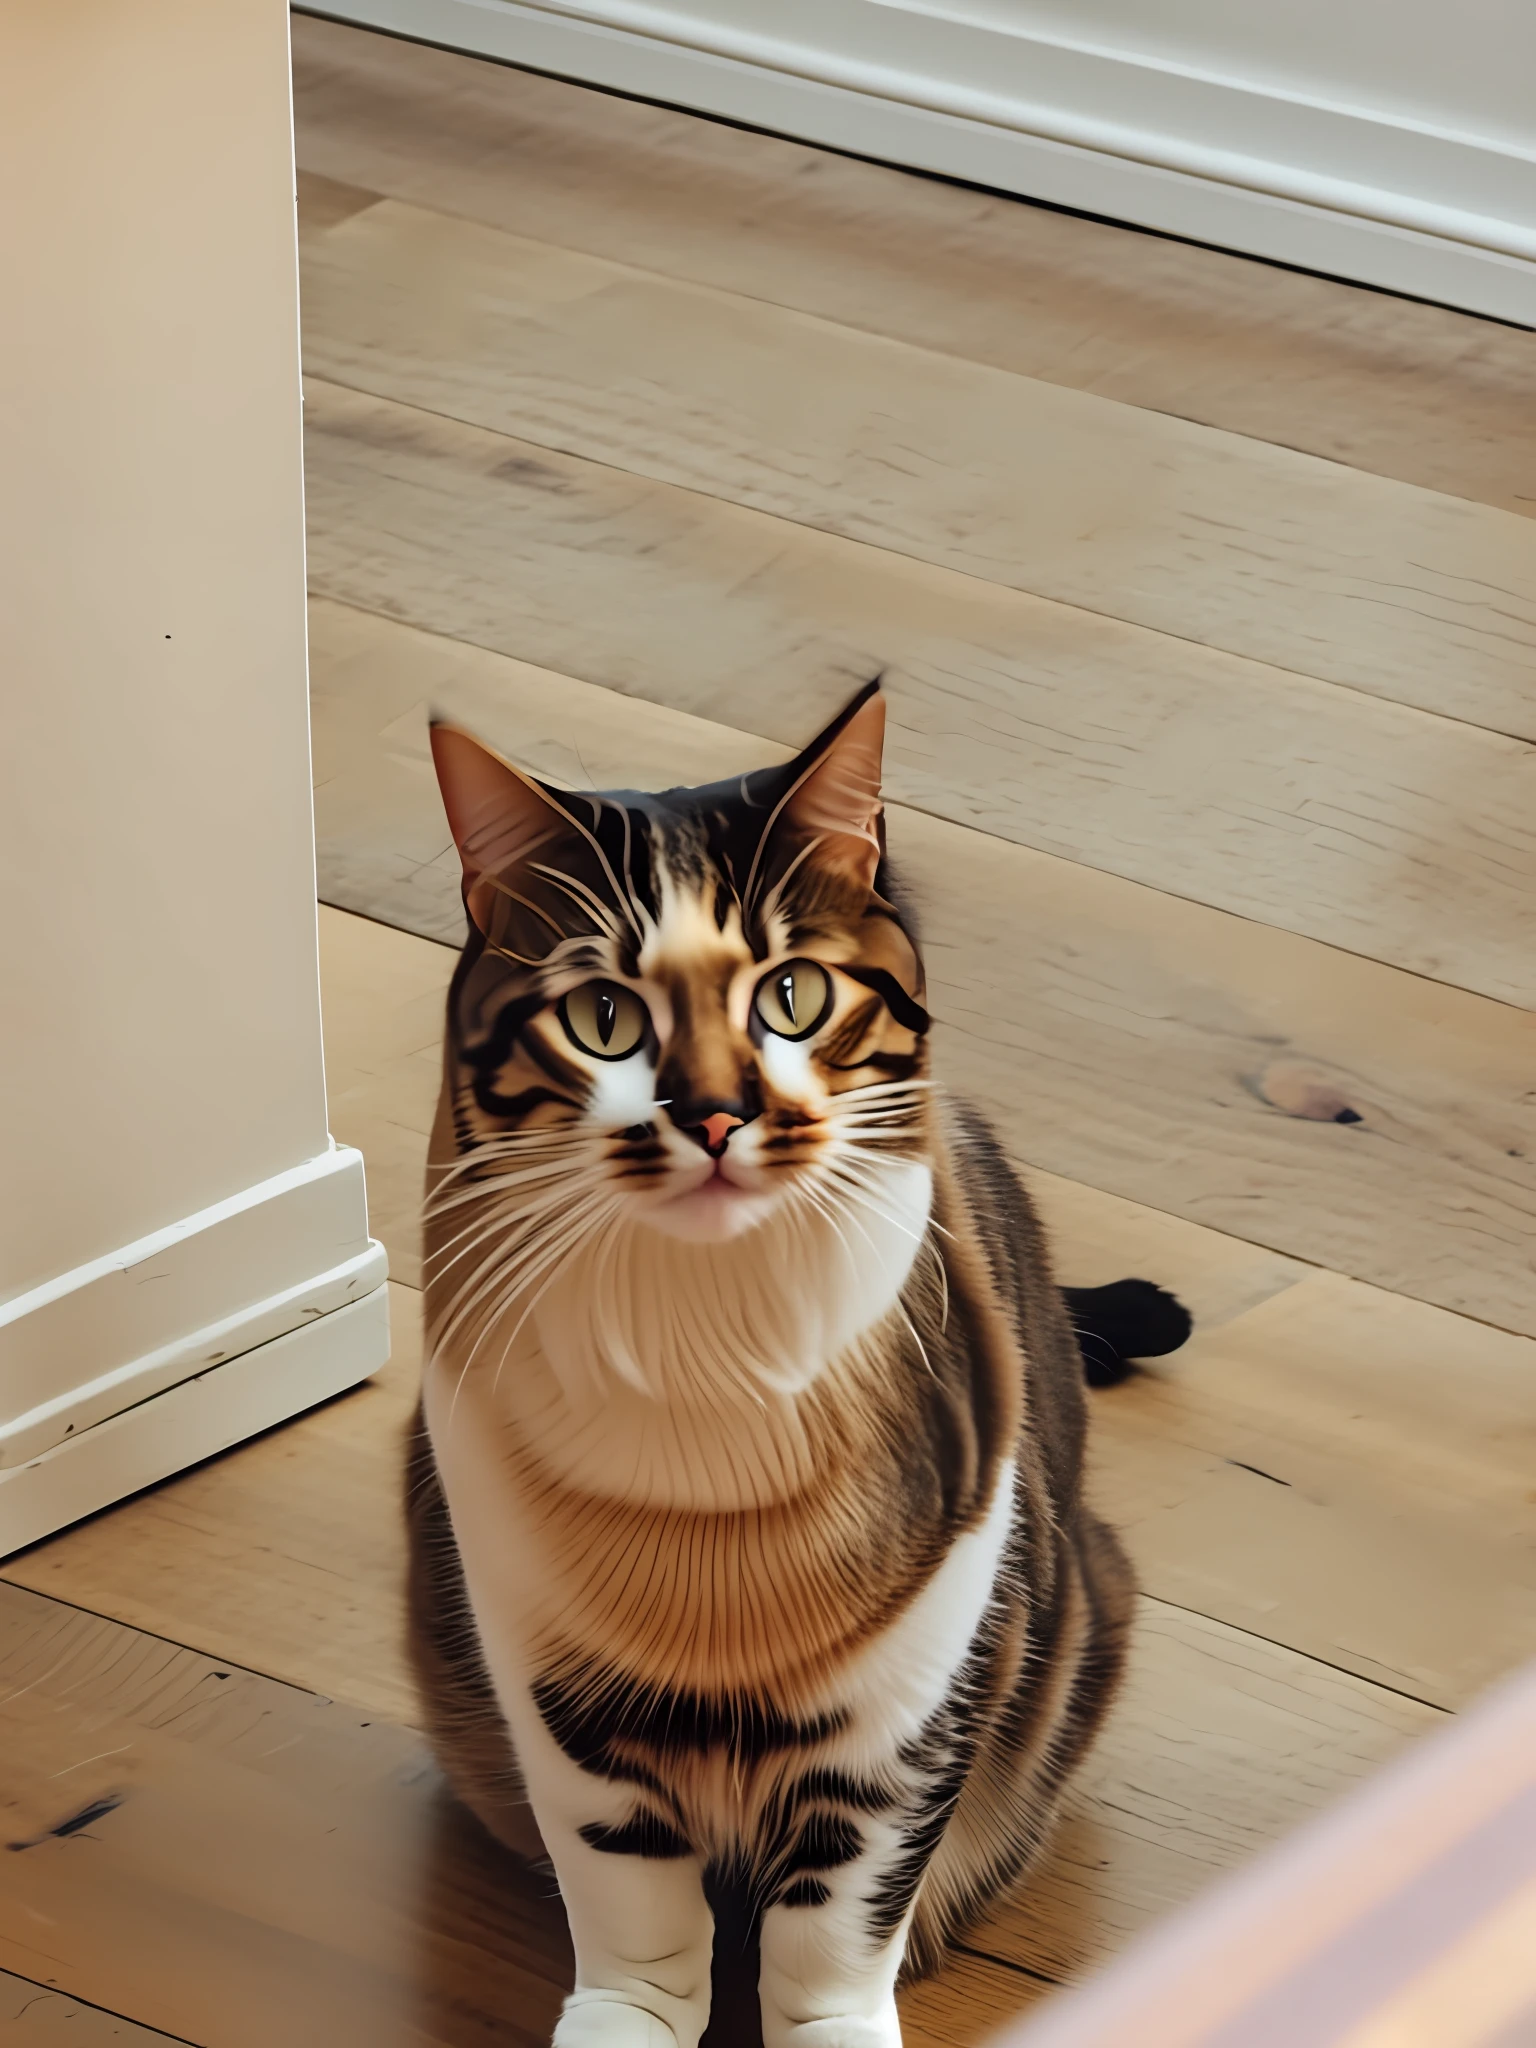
(794, 999)
(604, 1019)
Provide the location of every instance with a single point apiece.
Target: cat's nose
(714, 1130)
(717, 1129)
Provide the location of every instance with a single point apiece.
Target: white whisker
(483, 1190)
(548, 1223)
(843, 1171)
(519, 1268)
(480, 1228)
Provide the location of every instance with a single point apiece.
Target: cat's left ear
(834, 798)
(499, 817)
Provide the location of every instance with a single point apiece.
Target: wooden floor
(1206, 594)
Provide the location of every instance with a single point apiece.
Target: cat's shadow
(493, 1956)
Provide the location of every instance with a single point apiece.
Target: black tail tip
(1127, 1320)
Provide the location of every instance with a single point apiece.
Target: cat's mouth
(722, 1203)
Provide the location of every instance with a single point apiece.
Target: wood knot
(1301, 1091)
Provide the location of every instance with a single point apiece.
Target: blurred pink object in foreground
(1405, 1919)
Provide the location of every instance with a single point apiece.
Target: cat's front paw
(841, 2033)
(597, 2020)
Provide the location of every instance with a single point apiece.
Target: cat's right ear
(498, 816)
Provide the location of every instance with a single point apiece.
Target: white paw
(844, 2033)
(605, 2019)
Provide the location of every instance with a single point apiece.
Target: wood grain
(34, 2016)
(1404, 593)
(1401, 836)
(286, 1555)
(1148, 1046)
(239, 1863)
(323, 202)
(1174, 1054)
(967, 2002)
(383, 1024)
(1410, 391)
(1098, 1237)
(1345, 1471)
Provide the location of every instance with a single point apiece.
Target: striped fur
(749, 1563)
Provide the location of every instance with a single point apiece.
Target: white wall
(161, 1041)
(1393, 141)
(159, 998)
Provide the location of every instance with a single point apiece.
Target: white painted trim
(1342, 190)
(193, 1421)
(115, 1332)
(109, 1393)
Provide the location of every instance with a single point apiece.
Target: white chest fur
(670, 1374)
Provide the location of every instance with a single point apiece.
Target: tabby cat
(748, 1545)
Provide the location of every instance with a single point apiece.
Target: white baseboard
(117, 1332)
(193, 1420)
(1342, 190)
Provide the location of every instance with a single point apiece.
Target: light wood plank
(382, 1014)
(35, 2016)
(324, 202)
(263, 1865)
(1097, 1237)
(967, 2002)
(1398, 835)
(1404, 593)
(1345, 1471)
(1155, 1048)
(287, 1555)
(1407, 1920)
(1174, 1054)
(1410, 391)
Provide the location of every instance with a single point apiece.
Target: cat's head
(688, 1010)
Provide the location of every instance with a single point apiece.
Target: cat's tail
(1127, 1320)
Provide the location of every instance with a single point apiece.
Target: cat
(747, 1532)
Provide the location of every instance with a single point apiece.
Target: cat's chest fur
(680, 1481)
(691, 1549)
(720, 1531)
